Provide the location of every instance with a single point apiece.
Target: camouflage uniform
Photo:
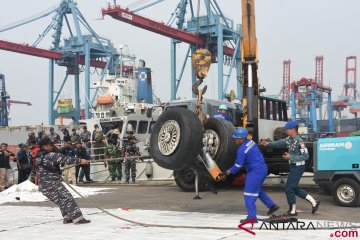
(48, 167)
(115, 165)
(74, 137)
(54, 137)
(98, 138)
(130, 164)
(85, 136)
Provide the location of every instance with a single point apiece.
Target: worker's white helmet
(223, 107)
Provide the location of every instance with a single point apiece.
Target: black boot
(82, 221)
(273, 209)
(67, 220)
(244, 220)
(289, 212)
(314, 209)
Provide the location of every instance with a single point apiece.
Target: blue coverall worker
(297, 154)
(250, 157)
(222, 113)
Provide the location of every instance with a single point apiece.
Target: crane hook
(195, 87)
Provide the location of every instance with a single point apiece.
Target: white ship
(125, 102)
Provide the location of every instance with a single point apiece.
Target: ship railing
(98, 170)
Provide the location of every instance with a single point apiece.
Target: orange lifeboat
(105, 100)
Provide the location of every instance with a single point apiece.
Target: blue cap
(291, 124)
(223, 107)
(240, 133)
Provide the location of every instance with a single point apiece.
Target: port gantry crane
(89, 50)
(349, 96)
(208, 31)
(6, 102)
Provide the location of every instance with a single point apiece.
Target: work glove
(221, 177)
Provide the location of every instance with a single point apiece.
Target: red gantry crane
(285, 90)
(349, 93)
(127, 16)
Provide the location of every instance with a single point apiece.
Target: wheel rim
(169, 137)
(346, 193)
(211, 142)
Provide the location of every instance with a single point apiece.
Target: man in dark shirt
(114, 136)
(31, 138)
(66, 134)
(23, 163)
(82, 153)
(4, 165)
(54, 137)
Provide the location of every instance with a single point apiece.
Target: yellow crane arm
(250, 84)
(249, 42)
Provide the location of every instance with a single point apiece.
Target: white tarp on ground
(29, 192)
(45, 223)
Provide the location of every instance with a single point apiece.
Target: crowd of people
(97, 146)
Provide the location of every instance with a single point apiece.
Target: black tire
(339, 198)
(280, 133)
(185, 180)
(226, 153)
(189, 143)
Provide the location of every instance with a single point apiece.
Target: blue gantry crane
(78, 49)
(212, 31)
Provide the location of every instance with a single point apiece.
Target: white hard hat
(223, 107)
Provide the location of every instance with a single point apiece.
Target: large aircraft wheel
(219, 142)
(176, 139)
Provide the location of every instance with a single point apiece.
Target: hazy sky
(286, 29)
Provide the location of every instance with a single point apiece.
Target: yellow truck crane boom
(249, 41)
(250, 84)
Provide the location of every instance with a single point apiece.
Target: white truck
(178, 138)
